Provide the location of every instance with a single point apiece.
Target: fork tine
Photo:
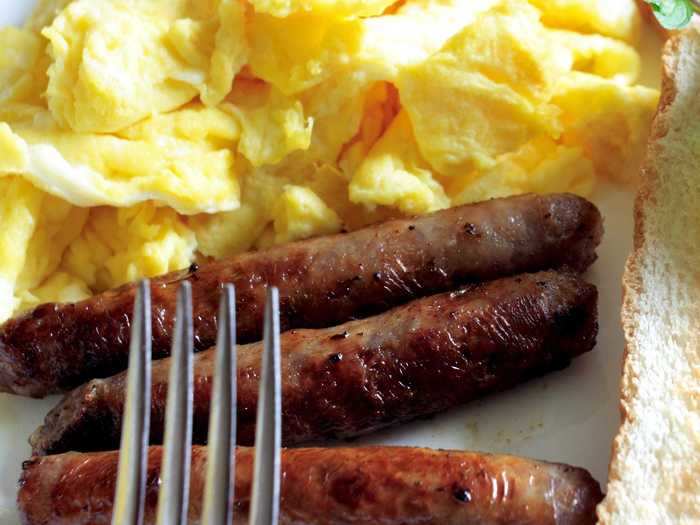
(266, 471)
(173, 497)
(133, 455)
(218, 491)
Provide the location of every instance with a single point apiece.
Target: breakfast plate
(569, 416)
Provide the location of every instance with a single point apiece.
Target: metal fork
(173, 496)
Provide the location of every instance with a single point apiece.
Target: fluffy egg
(137, 137)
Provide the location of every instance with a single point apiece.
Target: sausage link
(322, 282)
(415, 360)
(338, 486)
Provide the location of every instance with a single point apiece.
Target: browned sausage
(414, 360)
(323, 282)
(337, 486)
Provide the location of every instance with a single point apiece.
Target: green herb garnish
(674, 14)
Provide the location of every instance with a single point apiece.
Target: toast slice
(655, 470)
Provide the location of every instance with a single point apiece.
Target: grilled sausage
(414, 360)
(322, 282)
(338, 486)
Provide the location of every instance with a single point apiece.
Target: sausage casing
(335, 486)
(417, 359)
(323, 282)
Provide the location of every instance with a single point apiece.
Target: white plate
(569, 416)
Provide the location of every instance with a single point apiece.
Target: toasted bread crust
(633, 282)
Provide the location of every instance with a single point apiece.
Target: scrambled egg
(137, 136)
